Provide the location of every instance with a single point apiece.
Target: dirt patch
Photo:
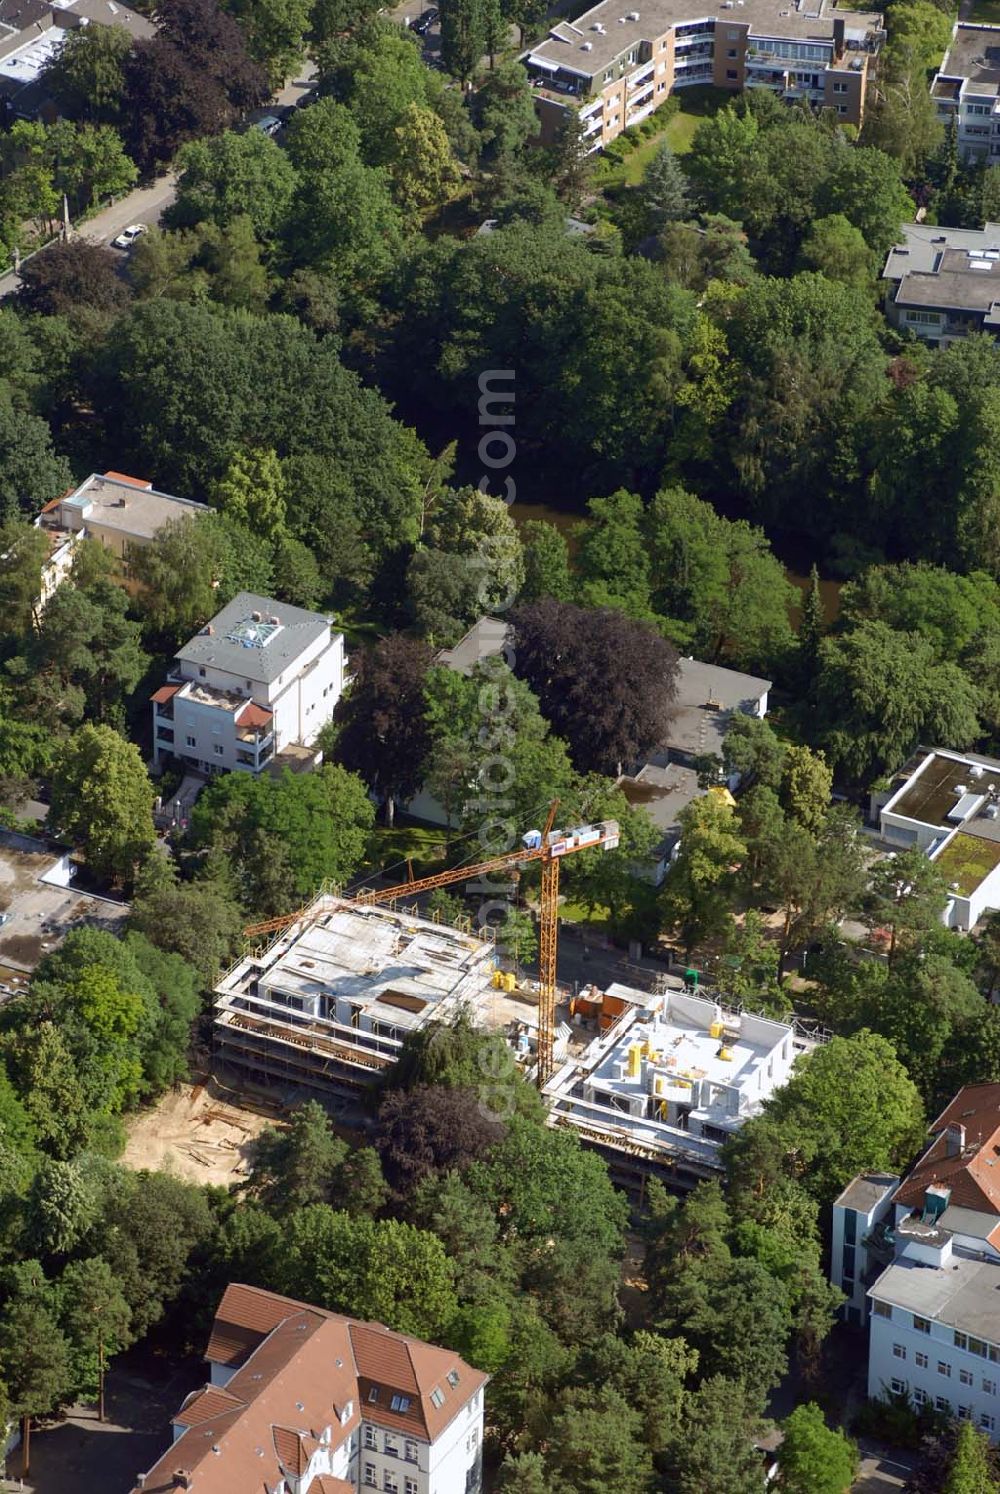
(23, 949)
(195, 1135)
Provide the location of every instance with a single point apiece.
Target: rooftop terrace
(966, 860)
(974, 53)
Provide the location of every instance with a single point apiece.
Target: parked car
(128, 236)
(425, 20)
(270, 124)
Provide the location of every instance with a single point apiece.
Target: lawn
(986, 12)
(423, 845)
(966, 860)
(677, 131)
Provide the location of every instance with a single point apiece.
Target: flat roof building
(616, 66)
(32, 34)
(966, 90)
(327, 1004)
(673, 1076)
(948, 804)
(115, 510)
(943, 283)
(306, 1401)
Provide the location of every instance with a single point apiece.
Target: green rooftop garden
(966, 860)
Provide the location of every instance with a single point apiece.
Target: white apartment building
(948, 804)
(305, 1401)
(935, 1310)
(966, 90)
(117, 511)
(261, 678)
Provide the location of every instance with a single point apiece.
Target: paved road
(148, 204)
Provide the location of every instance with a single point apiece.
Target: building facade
(944, 283)
(934, 1306)
(857, 1241)
(304, 1401)
(614, 67)
(261, 678)
(965, 91)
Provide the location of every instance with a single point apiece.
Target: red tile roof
(254, 715)
(135, 482)
(300, 1386)
(164, 693)
(973, 1173)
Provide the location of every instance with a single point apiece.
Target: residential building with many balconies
(944, 283)
(261, 679)
(615, 66)
(966, 90)
(305, 1401)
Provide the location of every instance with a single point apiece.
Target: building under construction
(327, 1003)
(667, 1079)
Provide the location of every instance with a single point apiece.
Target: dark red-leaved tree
(383, 732)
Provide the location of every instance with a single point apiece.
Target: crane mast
(548, 846)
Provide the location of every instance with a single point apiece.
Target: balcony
(165, 734)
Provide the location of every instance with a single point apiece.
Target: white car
(128, 236)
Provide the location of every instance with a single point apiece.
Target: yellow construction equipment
(548, 846)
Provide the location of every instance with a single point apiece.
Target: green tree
(837, 249)
(102, 800)
(23, 550)
(697, 891)
(85, 659)
(864, 186)
(715, 1448)
(61, 1208)
(31, 472)
(546, 563)
(96, 1319)
(504, 113)
(972, 1470)
(463, 36)
(295, 1166)
(423, 169)
(227, 176)
(35, 1362)
(252, 491)
(87, 75)
(568, 162)
(276, 32)
(812, 1459)
(906, 895)
(524, 1473)
(614, 555)
(595, 1444)
(806, 786)
(382, 732)
(665, 188)
(192, 919)
(811, 629)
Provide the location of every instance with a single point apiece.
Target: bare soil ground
(195, 1135)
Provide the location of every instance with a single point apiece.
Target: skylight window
(453, 1378)
(437, 1397)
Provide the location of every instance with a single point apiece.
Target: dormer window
(400, 1403)
(373, 1396)
(347, 1413)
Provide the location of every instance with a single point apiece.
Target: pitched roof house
(305, 1401)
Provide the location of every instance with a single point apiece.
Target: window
(990, 1387)
(898, 1387)
(919, 1397)
(370, 1478)
(189, 741)
(249, 684)
(965, 1377)
(961, 1342)
(840, 88)
(841, 108)
(898, 1351)
(964, 1412)
(453, 1378)
(373, 1395)
(391, 1450)
(850, 1226)
(942, 1403)
(411, 1486)
(410, 1451)
(881, 1309)
(848, 1267)
(390, 1483)
(201, 670)
(732, 36)
(399, 1403)
(944, 1368)
(921, 1325)
(218, 749)
(370, 1441)
(437, 1397)
(731, 52)
(920, 1360)
(731, 73)
(986, 1421)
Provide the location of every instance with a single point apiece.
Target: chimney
(182, 1478)
(140, 1482)
(954, 1140)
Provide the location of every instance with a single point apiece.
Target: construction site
(326, 1004)
(198, 1132)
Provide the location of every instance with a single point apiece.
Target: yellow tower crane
(548, 846)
